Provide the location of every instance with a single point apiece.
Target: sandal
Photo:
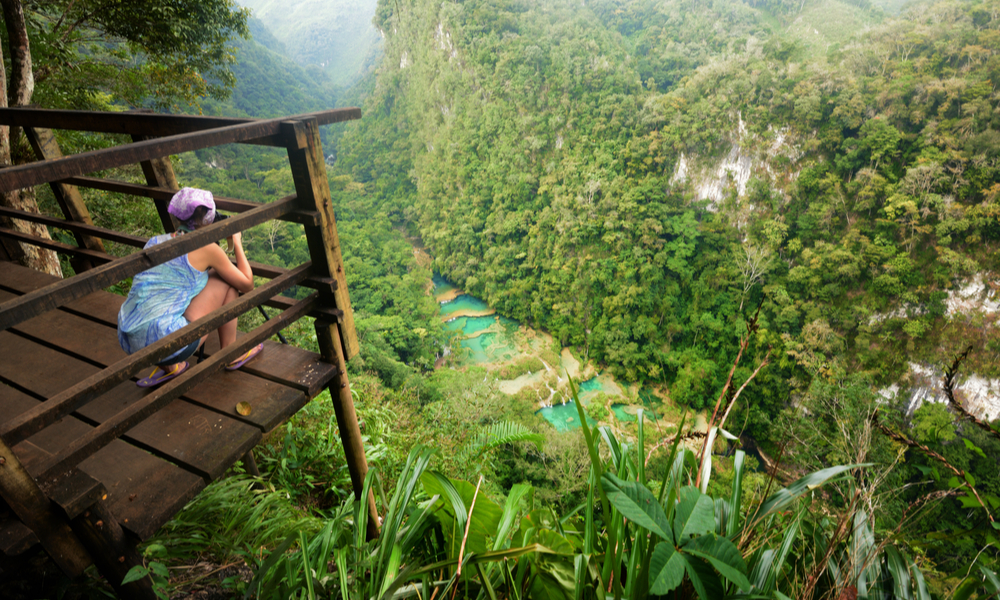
(242, 360)
(158, 375)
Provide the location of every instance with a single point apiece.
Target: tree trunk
(14, 148)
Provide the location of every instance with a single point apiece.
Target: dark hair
(197, 219)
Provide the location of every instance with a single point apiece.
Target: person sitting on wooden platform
(171, 295)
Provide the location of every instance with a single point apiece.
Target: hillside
(269, 83)
(336, 37)
(555, 158)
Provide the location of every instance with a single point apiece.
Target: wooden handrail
(259, 269)
(64, 403)
(159, 194)
(147, 124)
(81, 448)
(22, 176)
(75, 227)
(59, 293)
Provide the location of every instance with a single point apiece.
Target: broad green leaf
(992, 581)
(135, 574)
(900, 574)
(580, 564)
(927, 471)
(785, 496)
(919, 585)
(779, 596)
(736, 497)
(695, 514)
(706, 459)
(706, 583)
(970, 502)
(637, 504)
(485, 516)
(159, 569)
(970, 479)
(954, 482)
(666, 569)
(973, 447)
(723, 555)
(510, 509)
(640, 416)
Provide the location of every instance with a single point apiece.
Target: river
(492, 341)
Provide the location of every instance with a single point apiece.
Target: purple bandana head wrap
(184, 203)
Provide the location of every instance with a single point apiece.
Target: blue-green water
(441, 285)
(563, 417)
(491, 340)
(463, 302)
(488, 339)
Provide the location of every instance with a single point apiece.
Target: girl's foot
(245, 358)
(161, 374)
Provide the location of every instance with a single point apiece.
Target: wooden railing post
(338, 341)
(114, 553)
(159, 172)
(347, 418)
(43, 142)
(34, 509)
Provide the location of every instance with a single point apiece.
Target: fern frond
(500, 433)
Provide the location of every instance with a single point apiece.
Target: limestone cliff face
(749, 155)
(923, 383)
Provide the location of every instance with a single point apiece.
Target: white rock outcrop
(711, 180)
(978, 395)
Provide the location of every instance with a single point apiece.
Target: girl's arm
(212, 256)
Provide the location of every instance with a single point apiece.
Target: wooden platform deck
(153, 469)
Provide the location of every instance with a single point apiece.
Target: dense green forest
(792, 199)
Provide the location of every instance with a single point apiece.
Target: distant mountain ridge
(334, 35)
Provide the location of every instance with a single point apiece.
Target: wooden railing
(310, 206)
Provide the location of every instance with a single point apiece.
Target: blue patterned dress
(156, 303)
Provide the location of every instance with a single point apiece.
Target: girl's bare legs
(217, 293)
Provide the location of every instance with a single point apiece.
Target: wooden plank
(32, 174)
(313, 190)
(74, 491)
(114, 554)
(15, 537)
(22, 494)
(274, 391)
(87, 389)
(274, 384)
(142, 123)
(287, 365)
(270, 403)
(143, 491)
(163, 195)
(68, 196)
(61, 292)
(160, 396)
(200, 440)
